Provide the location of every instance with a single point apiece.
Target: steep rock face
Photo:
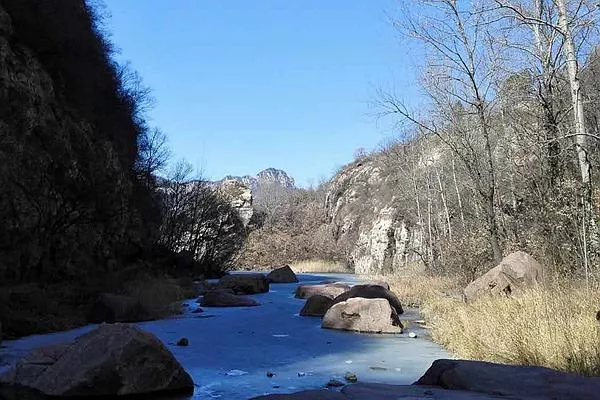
(68, 145)
(268, 176)
(367, 218)
(241, 198)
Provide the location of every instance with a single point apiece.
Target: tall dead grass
(417, 290)
(313, 266)
(554, 327)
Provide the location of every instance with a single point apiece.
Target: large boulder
(118, 359)
(383, 284)
(516, 272)
(511, 381)
(245, 283)
(117, 308)
(315, 394)
(282, 275)
(223, 298)
(371, 292)
(316, 306)
(330, 290)
(363, 315)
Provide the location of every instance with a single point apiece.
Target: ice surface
(271, 338)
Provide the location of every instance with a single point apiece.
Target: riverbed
(231, 350)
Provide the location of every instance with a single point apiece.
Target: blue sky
(245, 85)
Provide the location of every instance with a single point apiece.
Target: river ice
(231, 349)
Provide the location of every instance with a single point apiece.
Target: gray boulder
(282, 275)
(511, 381)
(330, 290)
(245, 283)
(516, 272)
(363, 315)
(222, 298)
(323, 394)
(118, 359)
(371, 292)
(316, 306)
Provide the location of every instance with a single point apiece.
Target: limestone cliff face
(269, 176)
(240, 196)
(368, 218)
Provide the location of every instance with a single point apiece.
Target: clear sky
(242, 85)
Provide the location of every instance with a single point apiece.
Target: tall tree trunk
(576, 95)
(458, 197)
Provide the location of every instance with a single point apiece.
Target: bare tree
(459, 82)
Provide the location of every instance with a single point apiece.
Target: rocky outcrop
(510, 381)
(316, 306)
(371, 292)
(240, 197)
(222, 298)
(330, 290)
(516, 272)
(269, 176)
(245, 283)
(118, 359)
(282, 275)
(363, 315)
(369, 218)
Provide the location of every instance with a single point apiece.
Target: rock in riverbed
(117, 359)
(371, 292)
(363, 315)
(511, 381)
(221, 298)
(245, 283)
(282, 275)
(316, 306)
(330, 290)
(469, 380)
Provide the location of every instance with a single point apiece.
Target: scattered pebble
(236, 372)
(276, 386)
(412, 335)
(334, 383)
(183, 342)
(301, 373)
(270, 374)
(351, 377)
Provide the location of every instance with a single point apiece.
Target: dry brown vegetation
(320, 266)
(555, 327)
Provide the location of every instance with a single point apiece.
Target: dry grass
(312, 266)
(555, 327)
(417, 290)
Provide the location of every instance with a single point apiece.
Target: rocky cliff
(68, 144)
(268, 176)
(368, 215)
(240, 197)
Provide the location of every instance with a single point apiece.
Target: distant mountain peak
(265, 177)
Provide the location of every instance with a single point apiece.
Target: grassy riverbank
(555, 327)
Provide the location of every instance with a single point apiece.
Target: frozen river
(231, 349)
